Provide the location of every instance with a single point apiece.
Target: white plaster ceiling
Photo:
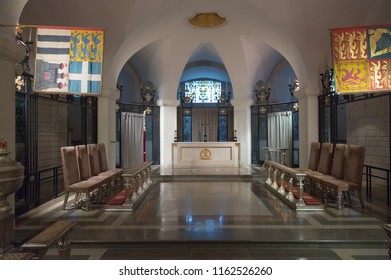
(164, 48)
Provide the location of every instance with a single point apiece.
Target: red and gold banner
(362, 59)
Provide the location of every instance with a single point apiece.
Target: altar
(205, 154)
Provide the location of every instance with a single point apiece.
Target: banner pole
(18, 25)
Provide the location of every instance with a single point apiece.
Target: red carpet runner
(118, 199)
(308, 199)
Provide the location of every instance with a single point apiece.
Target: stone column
(168, 122)
(242, 124)
(107, 123)
(308, 122)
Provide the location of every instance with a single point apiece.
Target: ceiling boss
(207, 20)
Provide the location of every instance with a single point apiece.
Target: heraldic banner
(362, 59)
(69, 60)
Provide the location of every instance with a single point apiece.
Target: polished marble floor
(222, 213)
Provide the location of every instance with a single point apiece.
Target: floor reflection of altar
(205, 154)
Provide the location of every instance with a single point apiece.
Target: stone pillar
(308, 122)
(168, 122)
(242, 124)
(107, 123)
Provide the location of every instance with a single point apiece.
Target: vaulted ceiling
(160, 44)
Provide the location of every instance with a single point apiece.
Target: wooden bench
(14, 255)
(57, 234)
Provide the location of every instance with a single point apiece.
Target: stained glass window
(203, 91)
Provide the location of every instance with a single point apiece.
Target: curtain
(204, 121)
(280, 134)
(132, 139)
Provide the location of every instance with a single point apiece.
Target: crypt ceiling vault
(254, 38)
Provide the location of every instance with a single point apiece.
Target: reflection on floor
(215, 214)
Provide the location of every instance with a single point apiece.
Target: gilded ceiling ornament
(207, 20)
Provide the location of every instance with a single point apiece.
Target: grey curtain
(132, 139)
(280, 134)
(204, 121)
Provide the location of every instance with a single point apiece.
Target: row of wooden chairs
(338, 168)
(86, 172)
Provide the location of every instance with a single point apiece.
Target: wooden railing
(56, 234)
(137, 182)
(288, 185)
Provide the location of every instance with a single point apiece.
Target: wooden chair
(313, 160)
(324, 166)
(87, 172)
(96, 169)
(116, 172)
(337, 170)
(352, 179)
(325, 161)
(338, 165)
(72, 182)
(339, 161)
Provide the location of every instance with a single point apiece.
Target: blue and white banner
(69, 60)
